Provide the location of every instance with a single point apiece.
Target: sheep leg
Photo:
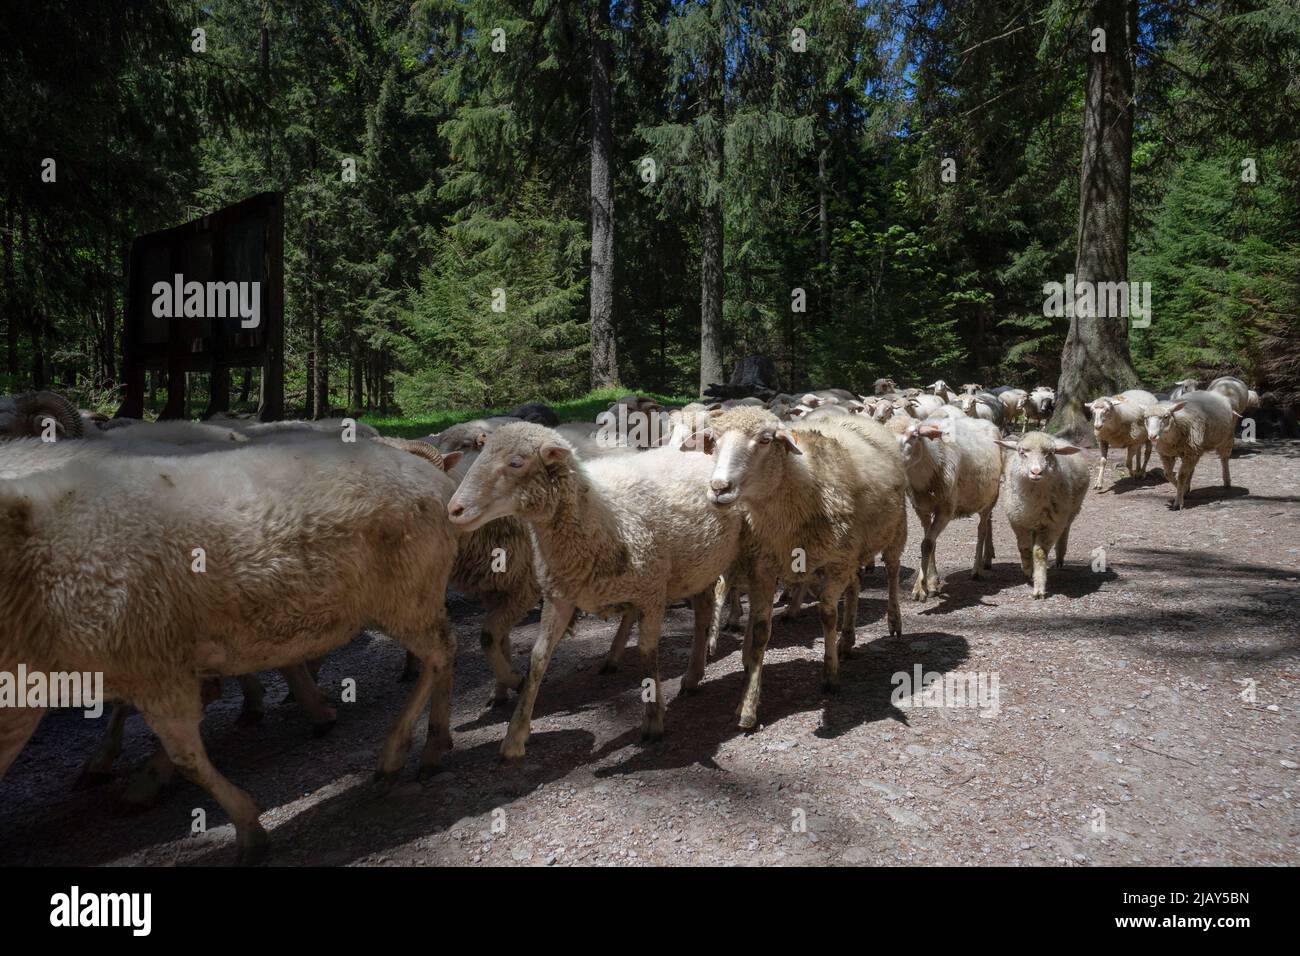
(410, 668)
(254, 708)
(929, 547)
(99, 766)
(1101, 465)
(983, 544)
(177, 726)
(1223, 459)
(723, 594)
(760, 624)
(704, 606)
(1061, 544)
(310, 698)
(652, 622)
(438, 739)
(1026, 554)
(620, 642)
(17, 724)
(1184, 484)
(849, 627)
(1169, 466)
(555, 618)
(827, 602)
(734, 611)
(1040, 565)
(397, 744)
(148, 781)
(893, 559)
(794, 600)
(495, 640)
(918, 587)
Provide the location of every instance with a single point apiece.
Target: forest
(496, 201)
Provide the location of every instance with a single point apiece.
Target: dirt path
(1122, 693)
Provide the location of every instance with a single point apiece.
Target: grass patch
(584, 408)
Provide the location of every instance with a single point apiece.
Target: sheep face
(971, 389)
(748, 448)
(1101, 409)
(1035, 455)
(1160, 418)
(515, 474)
(912, 438)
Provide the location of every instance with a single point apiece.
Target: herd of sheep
(168, 555)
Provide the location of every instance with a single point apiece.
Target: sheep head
(749, 447)
(1100, 409)
(516, 473)
(1035, 455)
(1160, 418)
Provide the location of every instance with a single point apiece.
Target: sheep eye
(517, 461)
(1023, 453)
(765, 438)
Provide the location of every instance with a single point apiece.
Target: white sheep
(941, 389)
(924, 406)
(819, 502)
(1117, 422)
(983, 406)
(953, 470)
(1186, 429)
(616, 534)
(1235, 391)
(303, 546)
(1039, 406)
(1043, 486)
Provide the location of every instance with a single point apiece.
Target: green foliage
(473, 174)
(458, 351)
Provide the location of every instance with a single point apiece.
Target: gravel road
(1145, 714)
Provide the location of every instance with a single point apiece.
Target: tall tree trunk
(1095, 360)
(711, 227)
(11, 293)
(32, 307)
(322, 369)
(604, 350)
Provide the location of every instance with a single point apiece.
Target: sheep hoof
(494, 701)
(651, 736)
(690, 691)
(607, 668)
(511, 752)
(830, 687)
(248, 718)
(324, 727)
(428, 771)
(254, 854)
(1040, 595)
(384, 779)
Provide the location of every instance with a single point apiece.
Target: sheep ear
(930, 431)
(1065, 448)
(790, 439)
(1178, 407)
(1007, 443)
(552, 452)
(449, 460)
(1119, 398)
(480, 440)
